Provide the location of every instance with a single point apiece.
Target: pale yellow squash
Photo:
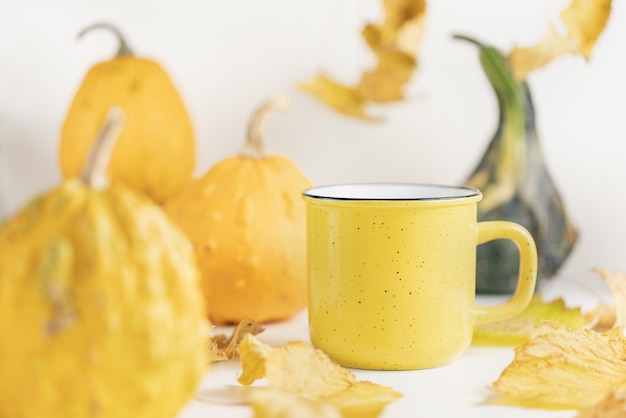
(156, 149)
(101, 314)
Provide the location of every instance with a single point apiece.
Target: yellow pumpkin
(101, 314)
(247, 221)
(156, 149)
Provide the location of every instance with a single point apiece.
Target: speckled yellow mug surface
(391, 272)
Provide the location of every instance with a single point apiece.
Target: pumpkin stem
(94, 172)
(253, 147)
(123, 48)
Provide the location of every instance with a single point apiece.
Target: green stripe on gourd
(516, 184)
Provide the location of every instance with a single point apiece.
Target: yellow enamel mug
(392, 272)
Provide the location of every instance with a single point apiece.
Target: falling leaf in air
(394, 43)
(342, 98)
(584, 21)
(304, 382)
(563, 368)
(515, 331)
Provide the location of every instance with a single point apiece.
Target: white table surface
(459, 389)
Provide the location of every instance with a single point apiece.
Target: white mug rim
(390, 192)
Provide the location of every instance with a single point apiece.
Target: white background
(227, 56)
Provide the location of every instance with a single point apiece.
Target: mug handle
(491, 230)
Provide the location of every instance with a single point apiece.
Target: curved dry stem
(94, 172)
(123, 48)
(254, 147)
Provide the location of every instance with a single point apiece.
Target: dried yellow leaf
(296, 367)
(360, 400)
(398, 65)
(373, 36)
(399, 12)
(563, 368)
(342, 99)
(224, 348)
(379, 86)
(385, 83)
(515, 331)
(276, 403)
(364, 400)
(402, 29)
(602, 317)
(526, 59)
(584, 21)
(253, 353)
(617, 284)
(612, 405)
(300, 368)
(409, 35)
(394, 42)
(304, 382)
(614, 332)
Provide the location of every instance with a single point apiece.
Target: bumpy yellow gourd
(247, 221)
(101, 314)
(156, 150)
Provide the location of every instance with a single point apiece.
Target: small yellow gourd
(101, 313)
(156, 149)
(247, 221)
